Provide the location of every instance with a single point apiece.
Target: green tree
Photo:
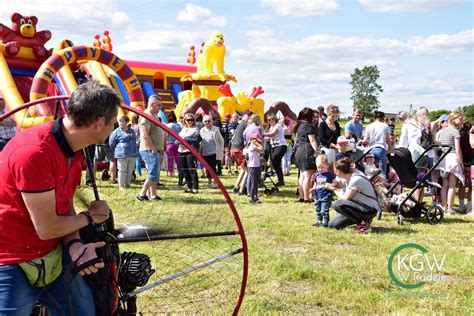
(434, 115)
(469, 112)
(365, 90)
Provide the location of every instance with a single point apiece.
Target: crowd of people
(317, 145)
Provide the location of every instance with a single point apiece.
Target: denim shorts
(152, 163)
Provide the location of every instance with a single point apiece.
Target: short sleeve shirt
(365, 191)
(354, 128)
(156, 134)
(39, 159)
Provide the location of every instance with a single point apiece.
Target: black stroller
(410, 177)
(268, 188)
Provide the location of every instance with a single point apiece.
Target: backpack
(426, 139)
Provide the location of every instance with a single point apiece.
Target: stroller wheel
(399, 219)
(434, 214)
(267, 191)
(379, 215)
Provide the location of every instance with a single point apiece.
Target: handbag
(44, 270)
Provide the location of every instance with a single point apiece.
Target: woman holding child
(359, 204)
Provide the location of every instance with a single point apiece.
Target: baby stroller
(411, 177)
(266, 175)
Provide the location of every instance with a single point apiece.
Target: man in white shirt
(376, 136)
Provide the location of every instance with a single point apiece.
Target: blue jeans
(152, 164)
(322, 209)
(65, 296)
(380, 155)
(138, 164)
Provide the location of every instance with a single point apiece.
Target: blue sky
(301, 53)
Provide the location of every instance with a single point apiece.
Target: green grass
(294, 268)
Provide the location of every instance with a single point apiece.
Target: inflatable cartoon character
(229, 103)
(23, 34)
(213, 51)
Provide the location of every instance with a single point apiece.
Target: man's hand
(99, 210)
(154, 151)
(77, 250)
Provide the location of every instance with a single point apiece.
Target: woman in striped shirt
(451, 168)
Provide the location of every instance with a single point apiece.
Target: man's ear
(99, 122)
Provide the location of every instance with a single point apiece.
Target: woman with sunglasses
(212, 145)
(187, 161)
(278, 146)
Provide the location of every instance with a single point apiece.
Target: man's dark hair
(379, 115)
(90, 101)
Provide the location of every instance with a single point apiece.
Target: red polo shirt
(38, 159)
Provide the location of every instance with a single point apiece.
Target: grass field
(295, 268)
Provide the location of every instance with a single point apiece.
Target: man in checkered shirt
(7, 126)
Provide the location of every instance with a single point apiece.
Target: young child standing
(323, 195)
(255, 148)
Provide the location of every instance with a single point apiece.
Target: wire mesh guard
(195, 243)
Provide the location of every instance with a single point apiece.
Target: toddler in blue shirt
(323, 195)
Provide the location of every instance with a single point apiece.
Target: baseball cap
(342, 140)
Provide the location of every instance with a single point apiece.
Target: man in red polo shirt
(39, 171)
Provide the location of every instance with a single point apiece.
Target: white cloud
(194, 13)
(302, 7)
(408, 5)
(443, 43)
(261, 18)
(73, 19)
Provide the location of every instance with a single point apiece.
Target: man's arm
(48, 225)
(81, 252)
(145, 132)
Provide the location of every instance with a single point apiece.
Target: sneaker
(235, 190)
(212, 185)
(155, 198)
(468, 207)
(449, 212)
(141, 198)
(194, 191)
(363, 227)
(158, 185)
(115, 182)
(280, 184)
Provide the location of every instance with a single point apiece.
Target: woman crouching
(359, 204)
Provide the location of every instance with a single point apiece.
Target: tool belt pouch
(44, 270)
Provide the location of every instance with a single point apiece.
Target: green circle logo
(404, 270)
